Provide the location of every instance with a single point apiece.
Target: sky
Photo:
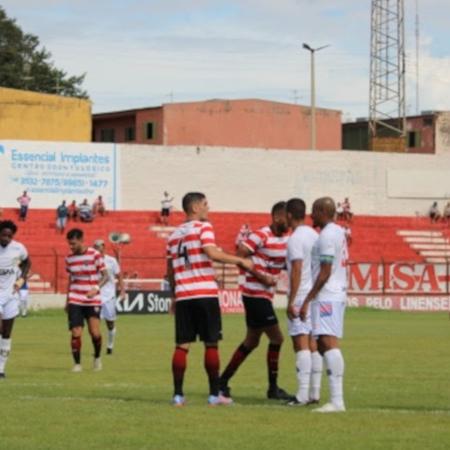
(138, 53)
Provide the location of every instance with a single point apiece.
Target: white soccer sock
(111, 336)
(23, 306)
(316, 375)
(303, 364)
(335, 371)
(5, 349)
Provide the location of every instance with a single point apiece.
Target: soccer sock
(23, 307)
(75, 344)
(273, 355)
(303, 364)
(335, 372)
(212, 366)
(316, 375)
(111, 336)
(179, 362)
(236, 360)
(97, 343)
(5, 350)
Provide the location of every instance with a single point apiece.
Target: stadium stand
(375, 238)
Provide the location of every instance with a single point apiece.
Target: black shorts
(165, 212)
(259, 312)
(77, 314)
(198, 317)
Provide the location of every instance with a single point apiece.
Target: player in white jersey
(328, 296)
(14, 267)
(108, 293)
(298, 261)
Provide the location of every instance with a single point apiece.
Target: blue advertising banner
(55, 171)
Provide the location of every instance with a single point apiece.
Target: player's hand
(268, 280)
(246, 264)
(292, 311)
(92, 292)
(122, 296)
(18, 284)
(304, 311)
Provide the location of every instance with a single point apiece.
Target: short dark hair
(75, 233)
(279, 207)
(8, 224)
(190, 198)
(296, 207)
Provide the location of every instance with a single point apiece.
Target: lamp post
(313, 92)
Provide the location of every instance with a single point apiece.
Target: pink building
(227, 123)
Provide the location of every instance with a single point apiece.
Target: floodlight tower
(387, 108)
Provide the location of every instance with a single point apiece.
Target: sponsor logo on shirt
(326, 309)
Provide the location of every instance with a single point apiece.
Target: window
(149, 130)
(130, 134)
(414, 139)
(107, 135)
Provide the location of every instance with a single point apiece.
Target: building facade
(225, 123)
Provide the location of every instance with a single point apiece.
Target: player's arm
(245, 251)
(120, 286)
(220, 256)
(96, 289)
(294, 284)
(24, 266)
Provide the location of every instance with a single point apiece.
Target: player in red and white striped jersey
(87, 274)
(191, 249)
(267, 248)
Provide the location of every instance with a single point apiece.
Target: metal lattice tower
(387, 70)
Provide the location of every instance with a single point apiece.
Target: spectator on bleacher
(348, 215)
(339, 211)
(85, 212)
(243, 234)
(99, 206)
(24, 202)
(166, 207)
(73, 211)
(447, 213)
(434, 214)
(62, 213)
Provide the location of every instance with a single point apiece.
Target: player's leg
(300, 343)
(92, 315)
(5, 343)
(23, 302)
(316, 371)
(76, 324)
(109, 313)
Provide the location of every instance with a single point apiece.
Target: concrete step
(419, 233)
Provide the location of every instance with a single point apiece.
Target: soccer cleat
(217, 400)
(329, 408)
(109, 351)
(2, 376)
(77, 368)
(97, 364)
(178, 400)
(313, 401)
(277, 393)
(225, 391)
(296, 402)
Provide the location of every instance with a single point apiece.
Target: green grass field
(397, 388)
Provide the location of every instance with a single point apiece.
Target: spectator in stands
(99, 206)
(243, 234)
(73, 211)
(62, 212)
(24, 201)
(166, 206)
(339, 211)
(434, 213)
(85, 212)
(348, 215)
(447, 213)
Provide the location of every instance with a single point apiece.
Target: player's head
(195, 205)
(99, 244)
(75, 240)
(295, 211)
(279, 218)
(323, 211)
(7, 231)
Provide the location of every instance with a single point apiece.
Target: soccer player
(267, 248)
(108, 293)
(328, 296)
(191, 249)
(14, 266)
(87, 275)
(298, 261)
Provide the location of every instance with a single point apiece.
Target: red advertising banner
(230, 301)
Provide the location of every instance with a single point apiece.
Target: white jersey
(108, 290)
(10, 258)
(331, 247)
(299, 247)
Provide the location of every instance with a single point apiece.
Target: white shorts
(108, 311)
(9, 308)
(327, 318)
(297, 326)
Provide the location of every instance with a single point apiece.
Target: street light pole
(313, 92)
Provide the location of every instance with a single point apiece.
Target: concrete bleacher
(375, 238)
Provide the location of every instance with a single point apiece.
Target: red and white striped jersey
(193, 269)
(85, 273)
(268, 256)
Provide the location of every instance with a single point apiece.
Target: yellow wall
(26, 115)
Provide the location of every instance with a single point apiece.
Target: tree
(26, 65)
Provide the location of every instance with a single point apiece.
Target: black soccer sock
(75, 344)
(236, 360)
(273, 356)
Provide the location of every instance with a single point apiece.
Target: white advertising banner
(54, 171)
